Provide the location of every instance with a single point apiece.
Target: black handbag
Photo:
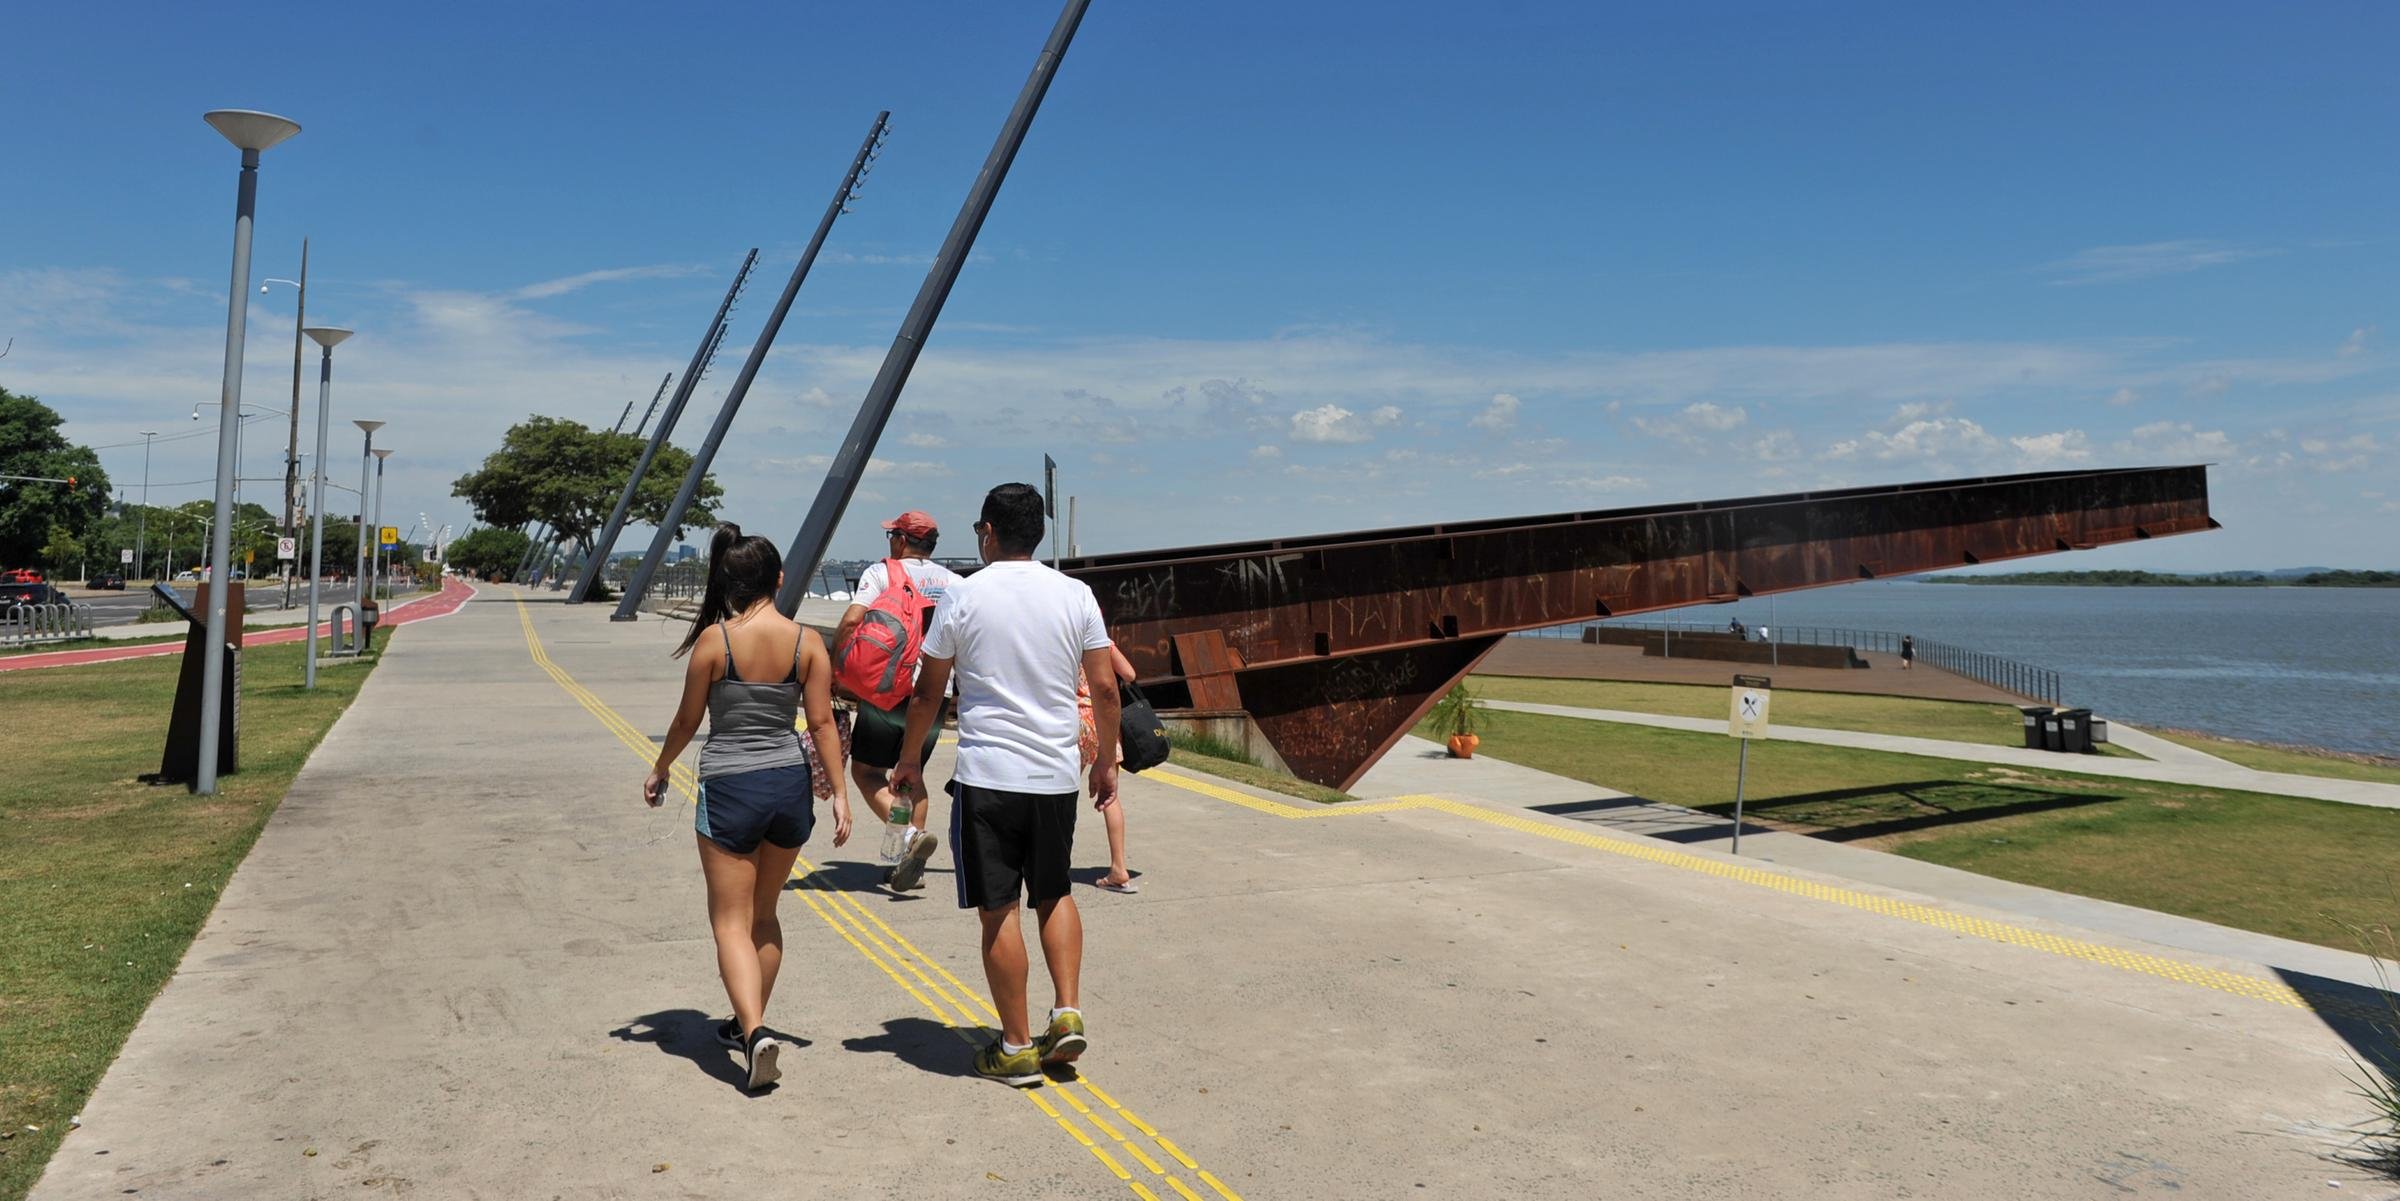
(1141, 737)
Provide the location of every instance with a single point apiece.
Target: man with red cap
(876, 736)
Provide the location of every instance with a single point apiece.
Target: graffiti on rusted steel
(1338, 643)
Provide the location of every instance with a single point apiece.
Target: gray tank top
(751, 727)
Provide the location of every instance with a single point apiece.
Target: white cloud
(1328, 423)
(1386, 415)
(1919, 410)
(2347, 454)
(2045, 450)
(2356, 343)
(920, 440)
(2124, 396)
(1694, 420)
(2178, 441)
(2146, 260)
(1946, 438)
(573, 283)
(1266, 453)
(1499, 415)
(1778, 446)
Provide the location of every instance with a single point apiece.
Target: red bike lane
(453, 596)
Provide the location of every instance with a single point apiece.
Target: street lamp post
(379, 561)
(289, 521)
(141, 524)
(327, 337)
(366, 464)
(251, 132)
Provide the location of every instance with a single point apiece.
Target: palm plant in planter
(1455, 717)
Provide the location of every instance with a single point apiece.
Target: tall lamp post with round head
(327, 337)
(376, 559)
(251, 133)
(366, 479)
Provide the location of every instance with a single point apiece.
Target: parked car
(111, 582)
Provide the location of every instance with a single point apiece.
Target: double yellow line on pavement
(951, 1002)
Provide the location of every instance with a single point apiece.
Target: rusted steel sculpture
(1337, 643)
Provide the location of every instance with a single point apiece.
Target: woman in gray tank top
(753, 680)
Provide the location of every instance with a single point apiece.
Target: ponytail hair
(742, 569)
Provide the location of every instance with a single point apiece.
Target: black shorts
(1006, 843)
(876, 736)
(773, 803)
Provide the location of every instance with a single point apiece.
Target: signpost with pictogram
(1748, 721)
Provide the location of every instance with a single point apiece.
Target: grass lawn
(107, 879)
(1228, 762)
(2296, 760)
(2281, 866)
(1956, 721)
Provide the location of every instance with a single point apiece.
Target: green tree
(31, 445)
(63, 553)
(487, 551)
(569, 475)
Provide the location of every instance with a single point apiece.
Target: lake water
(2315, 666)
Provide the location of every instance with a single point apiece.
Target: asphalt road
(121, 608)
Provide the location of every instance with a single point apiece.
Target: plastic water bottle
(895, 830)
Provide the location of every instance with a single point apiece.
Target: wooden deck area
(1559, 659)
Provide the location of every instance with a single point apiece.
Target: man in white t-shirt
(875, 737)
(1017, 636)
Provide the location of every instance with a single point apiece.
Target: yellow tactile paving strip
(2198, 975)
(945, 996)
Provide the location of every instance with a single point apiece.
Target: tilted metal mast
(658, 437)
(628, 604)
(850, 462)
(539, 546)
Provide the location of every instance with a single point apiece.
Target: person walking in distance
(1015, 635)
(1908, 652)
(876, 732)
(1119, 878)
(753, 678)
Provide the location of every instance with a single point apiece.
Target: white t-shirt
(931, 578)
(1015, 633)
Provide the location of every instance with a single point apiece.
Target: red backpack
(878, 664)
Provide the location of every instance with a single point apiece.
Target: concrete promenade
(464, 961)
(2199, 769)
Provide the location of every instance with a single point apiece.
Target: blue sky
(1264, 269)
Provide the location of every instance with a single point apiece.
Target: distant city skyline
(1263, 270)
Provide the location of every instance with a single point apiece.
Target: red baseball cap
(915, 524)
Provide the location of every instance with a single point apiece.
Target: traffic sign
(250, 556)
(287, 548)
(125, 555)
(390, 536)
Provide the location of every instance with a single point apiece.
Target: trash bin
(2052, 738)
(2099, 726)
(2075, 731)
(2033, 715)
(368, 614)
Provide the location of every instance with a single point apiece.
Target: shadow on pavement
(691, 1034)
(2368, 1019)
(843, 875)
(923, 1044)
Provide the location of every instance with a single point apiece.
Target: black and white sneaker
(761, 1055)
(910, 871)
(730, 1034)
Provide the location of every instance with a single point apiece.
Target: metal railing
(27, 625)
(688, 579)
(2008, 675)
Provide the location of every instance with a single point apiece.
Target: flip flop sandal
(1128, 888)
